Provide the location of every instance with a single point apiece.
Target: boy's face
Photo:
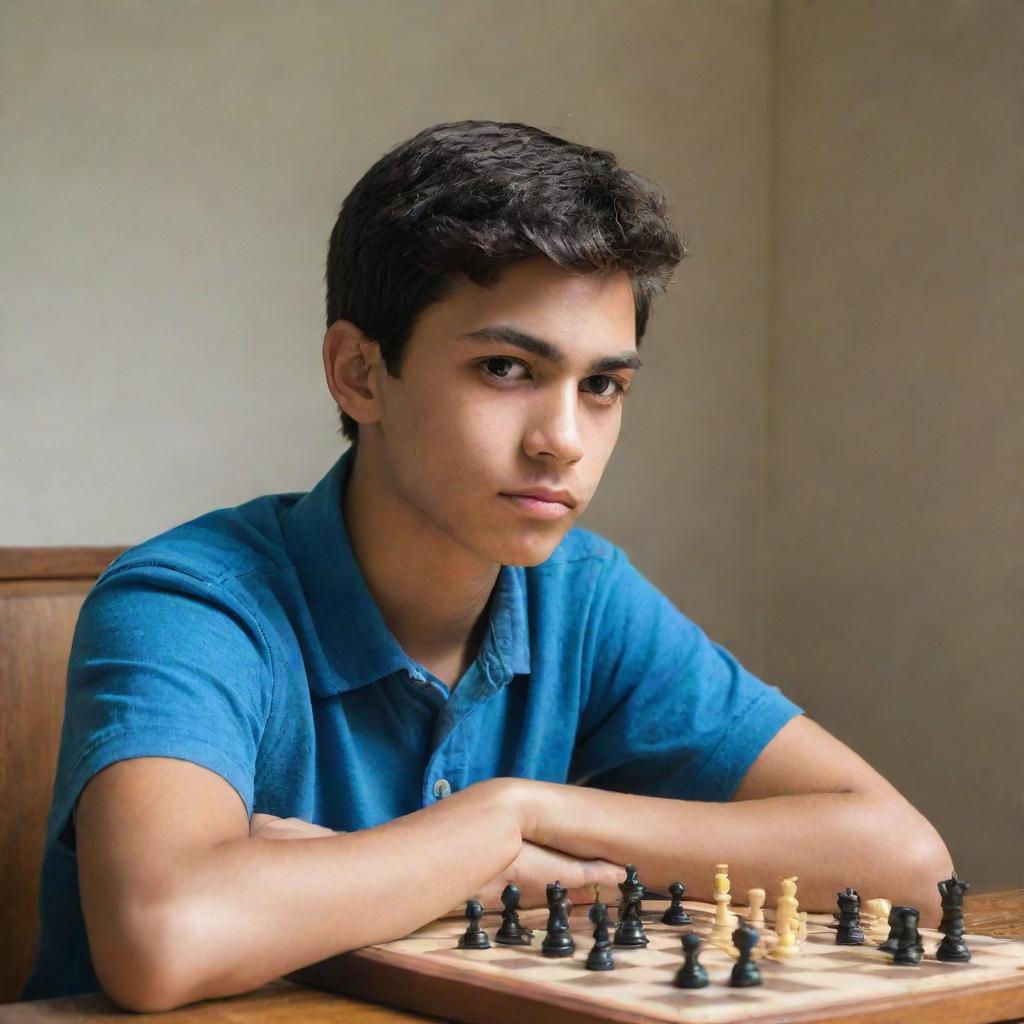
(472, 420)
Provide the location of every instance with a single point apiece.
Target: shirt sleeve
(163, 664)
(669, 712)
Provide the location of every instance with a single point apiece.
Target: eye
(620, 389)
(501, 361)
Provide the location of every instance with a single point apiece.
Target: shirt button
(442, 788)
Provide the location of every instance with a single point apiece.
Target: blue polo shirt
(248, 642)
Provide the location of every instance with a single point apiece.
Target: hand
(537, 865)
(267, 826)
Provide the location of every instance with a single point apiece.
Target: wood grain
(37, 621)
(66, 563)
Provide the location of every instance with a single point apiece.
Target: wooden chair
(41, 591)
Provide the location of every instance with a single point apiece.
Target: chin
(527, 551)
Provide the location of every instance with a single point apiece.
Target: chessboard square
(520, 963)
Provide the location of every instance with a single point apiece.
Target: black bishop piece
(511, 932)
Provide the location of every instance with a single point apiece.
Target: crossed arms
(185, 898)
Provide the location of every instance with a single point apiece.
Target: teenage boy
(420, 675)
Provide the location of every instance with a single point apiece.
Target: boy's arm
(809, 806)
(181, 904)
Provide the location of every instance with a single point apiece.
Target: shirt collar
(359, 645)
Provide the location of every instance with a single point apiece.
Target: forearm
(253, 910)
(828, 840)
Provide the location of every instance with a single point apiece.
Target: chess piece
(558, 941)
(630, 888)
(745, 972)
(895, 928)
(629, 931)
(755, 902)
(876, 914)
(511, 932)
(909, 950)
(474, 937)
(692, 973)
(725, 922)
(849, 931)
(676, 914)
(801, 926)
(786, 921)
(953, 948)
(600, 956)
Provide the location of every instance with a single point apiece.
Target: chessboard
(826, 984)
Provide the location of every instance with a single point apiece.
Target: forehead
(586, 315)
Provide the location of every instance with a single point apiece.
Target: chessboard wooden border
(473, 997)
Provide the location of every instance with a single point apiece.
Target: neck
(433, 594)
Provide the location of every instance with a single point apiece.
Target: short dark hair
(473, 197)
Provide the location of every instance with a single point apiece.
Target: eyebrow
(549, 351)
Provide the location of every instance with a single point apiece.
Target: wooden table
(997, 913)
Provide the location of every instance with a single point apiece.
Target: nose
(553, 430)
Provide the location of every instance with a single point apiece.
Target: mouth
(538, 508)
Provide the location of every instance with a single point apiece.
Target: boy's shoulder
(220, 545)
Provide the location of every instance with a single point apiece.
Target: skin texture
(185, 898)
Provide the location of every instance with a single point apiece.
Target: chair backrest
(41, 592)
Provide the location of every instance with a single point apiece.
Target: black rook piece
(511, 932)
(558, 941)
(849, 932)
(745, 972)
(475, 937)
(676, 914)
(909, 950)
(692, 973)
(600, 956)
(952, 947)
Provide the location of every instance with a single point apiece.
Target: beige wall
(895, 507)
(171, 174)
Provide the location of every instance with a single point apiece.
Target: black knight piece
(558, 941)
(745, 972)
(909, 950)
(600, 956)
(692, 973)
(675, 913)
(511, 932)
(474, 937)
(895, 928)
(849, 931)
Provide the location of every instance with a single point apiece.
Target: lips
(545, 494)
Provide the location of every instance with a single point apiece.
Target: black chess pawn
(511, 932)
(692, 973)
(953, 948)
(600, 956)
(895, 928)
(849, 932)
(909, 950)
(629, 931)
(558, 941)
(676, 914)
(474, 937)
(745, 972)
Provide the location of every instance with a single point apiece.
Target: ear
(349, 361)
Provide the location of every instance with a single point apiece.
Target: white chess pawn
(755, 901)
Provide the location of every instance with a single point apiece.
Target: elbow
(925, 862)
(144, 969)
